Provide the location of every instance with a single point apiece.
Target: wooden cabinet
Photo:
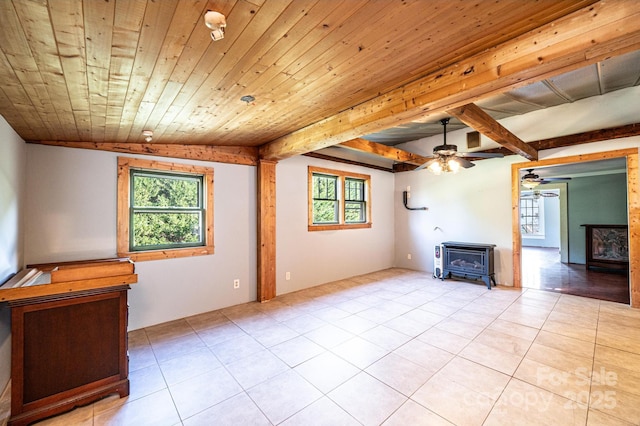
(69, 345)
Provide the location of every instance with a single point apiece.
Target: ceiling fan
(531, 180)
(446, 158)
(536, 194)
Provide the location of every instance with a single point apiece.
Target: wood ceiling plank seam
(157, 18)
(98, 27)
(273, 75)
(379, 13)
(14, 90)
(538, 68)
(350, 43)
(172, 48)
(198, 42)
(346, 26)
(355, 78)
(338, 25)
(170, 92)
(377, 85)
(277, 31)
(469, 41)
(68, 28)
(257, 42)
(234, 87)
(262, 20)
(14, 116)
(303, 42)
(454, 85)
(128, 19)
(326, 40)
(241, 15)
(537, 16)
(317, 104)
(237, 80)
(568, 35)
(18, 53)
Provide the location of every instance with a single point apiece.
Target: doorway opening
(556, 267)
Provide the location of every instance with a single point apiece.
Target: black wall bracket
(404, 201)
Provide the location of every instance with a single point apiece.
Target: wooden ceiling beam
(582, 38)
(384, 151)
(243, 155)
(600, 135)
(474, 117)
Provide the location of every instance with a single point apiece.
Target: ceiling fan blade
(558, 179)
(549, 194)
(464, 163)
(480, 154)
(425, 165)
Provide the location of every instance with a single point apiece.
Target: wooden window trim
(124, 166)
(341, 200)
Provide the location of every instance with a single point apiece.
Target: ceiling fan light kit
(531, 180)
(446, 158)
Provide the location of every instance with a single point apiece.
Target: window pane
(529, 216)
(151, 229)
(325, 211)
(354, 189)
(325, 187)
(166, 191)
(354, 212)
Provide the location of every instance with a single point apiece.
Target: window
(338, 200)
(165, 210)
(531, 220)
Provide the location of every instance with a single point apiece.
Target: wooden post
(266, 230)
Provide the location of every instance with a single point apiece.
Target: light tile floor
(394, 347)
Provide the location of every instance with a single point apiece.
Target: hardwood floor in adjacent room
(542, 269)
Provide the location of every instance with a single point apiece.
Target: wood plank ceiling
(98, 73)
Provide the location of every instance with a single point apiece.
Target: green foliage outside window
(354, 207)
(325, 201)
(166, 210)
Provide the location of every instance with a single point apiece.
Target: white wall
(318, 257)
(71, 215)
(472, 206)
(475, 204)
(12, 189)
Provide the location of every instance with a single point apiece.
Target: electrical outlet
(236, 283)
(409, 256)
(287, 276)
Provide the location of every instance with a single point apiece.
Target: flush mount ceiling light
(248, 99)
(216, 22)
(148, 135)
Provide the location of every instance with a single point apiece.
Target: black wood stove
(469, 260)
